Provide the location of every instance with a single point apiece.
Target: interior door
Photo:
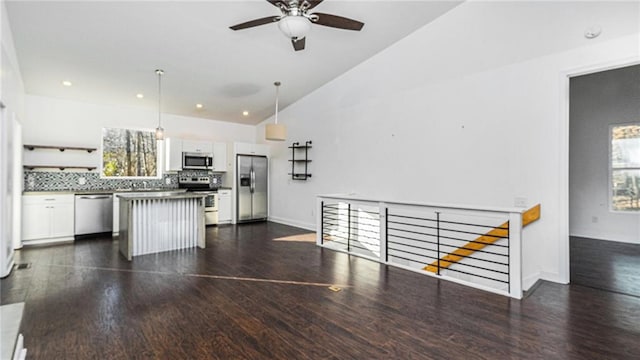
(243, 186)
(260, 204)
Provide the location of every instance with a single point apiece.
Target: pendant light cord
(159, 72)
(277, 84)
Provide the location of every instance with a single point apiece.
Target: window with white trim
(128, 153)
(625, 167)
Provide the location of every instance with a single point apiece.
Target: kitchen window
(128, 153)
(625, 167)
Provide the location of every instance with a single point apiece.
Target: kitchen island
(160, 221)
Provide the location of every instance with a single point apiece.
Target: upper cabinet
(174, 148)
(197, 146)
(173, 154)
(251, 149)
(220, 157)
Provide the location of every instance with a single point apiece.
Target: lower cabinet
(224, 206)
(47, 217)
(116, 214)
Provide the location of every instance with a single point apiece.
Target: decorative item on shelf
(159, 129)
(297, 163)
(275, 131)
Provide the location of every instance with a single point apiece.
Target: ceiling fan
(295, 21)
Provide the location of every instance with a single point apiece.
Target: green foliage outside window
(129, 153)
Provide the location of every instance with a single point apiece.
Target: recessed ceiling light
(140, 96)
(245, 113)
(199, 106)
(67, 83)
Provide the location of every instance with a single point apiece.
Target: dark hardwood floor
(607, 265)
(251, 296)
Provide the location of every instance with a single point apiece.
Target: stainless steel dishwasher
(94, 214)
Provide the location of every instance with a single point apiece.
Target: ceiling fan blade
(278, 3)
(338, 22)
(256, 22)
(298, 44)
(313, 3)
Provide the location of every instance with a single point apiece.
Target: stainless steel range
(201, 185)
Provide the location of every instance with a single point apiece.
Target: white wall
(64, 122)
(12, 97)
(467, 110)
(597, 102)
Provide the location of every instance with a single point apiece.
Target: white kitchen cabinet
(251, 149)
(47, 217)
(224, 206)
(197, 146)
(173, 154)
(116, 214)
(220, 157)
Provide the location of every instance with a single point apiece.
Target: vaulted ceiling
(110, 50)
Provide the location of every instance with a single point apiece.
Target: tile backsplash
(57, 181)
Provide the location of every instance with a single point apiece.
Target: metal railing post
(383, 211)
(349, 227)
(320, 239)
(438, 238)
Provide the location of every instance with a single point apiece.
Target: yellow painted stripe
(481, 242)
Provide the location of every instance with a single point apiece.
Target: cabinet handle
(49, 199)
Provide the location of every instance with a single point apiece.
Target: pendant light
(159, 129)
(275, 131)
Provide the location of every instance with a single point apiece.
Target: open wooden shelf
(59, 167)
(61, 148)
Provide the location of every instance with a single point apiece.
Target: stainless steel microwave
(196, 161)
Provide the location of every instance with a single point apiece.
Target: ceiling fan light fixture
(294, 26)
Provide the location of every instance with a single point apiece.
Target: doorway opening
(604, 180)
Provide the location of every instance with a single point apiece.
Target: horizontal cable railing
(475, 246)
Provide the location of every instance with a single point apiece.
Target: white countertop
(161, 195)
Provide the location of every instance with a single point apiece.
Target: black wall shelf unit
(299, 163)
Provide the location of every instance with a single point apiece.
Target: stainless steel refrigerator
(252, 174)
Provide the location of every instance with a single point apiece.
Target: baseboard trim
(598, 237)
(529, 281)
(43, 242)
(306, 226)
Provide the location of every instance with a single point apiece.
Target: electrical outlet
(167, 181)
(215, 180)
(520, 202)
(82, 181)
